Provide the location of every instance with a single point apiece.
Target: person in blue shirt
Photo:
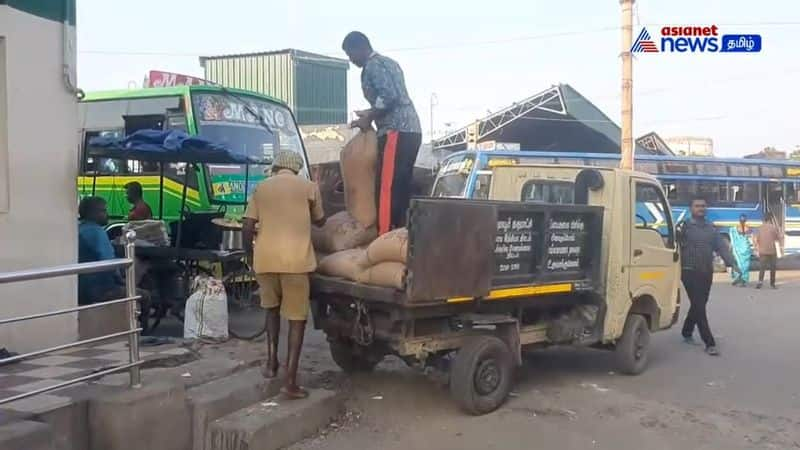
(94, 245)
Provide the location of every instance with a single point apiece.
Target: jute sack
(387, 274)
(389, 247)
(358, 160)
(346, 264)
(341, 232)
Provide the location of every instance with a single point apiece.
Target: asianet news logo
(695, 39)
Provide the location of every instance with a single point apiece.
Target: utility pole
(434, 102)
(626, 138)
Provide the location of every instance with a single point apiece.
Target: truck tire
(633, 347)
(352, 359)
(481, 374)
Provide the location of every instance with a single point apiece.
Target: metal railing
(131, 311)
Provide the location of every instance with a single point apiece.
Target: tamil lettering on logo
(695, 39)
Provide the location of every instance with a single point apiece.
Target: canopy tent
(557, 119)
(166, 146)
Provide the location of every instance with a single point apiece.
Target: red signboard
(157, 78)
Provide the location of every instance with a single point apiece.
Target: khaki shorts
(290, 291)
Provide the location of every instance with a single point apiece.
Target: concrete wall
(38, 166)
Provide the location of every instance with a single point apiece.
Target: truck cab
(642, 270)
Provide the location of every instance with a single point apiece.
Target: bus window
(671, 189)
(710, 169)
(678, 168)
(742, 192)
(771, 171)
(793, 192)
(482, 184)
(646, 166)
(548, 192)
(451, 180)
(714, 192)
(743, 170)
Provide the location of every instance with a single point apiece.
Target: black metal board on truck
(450, 249)
(465, 248)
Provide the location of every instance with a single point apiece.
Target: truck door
(654, 270)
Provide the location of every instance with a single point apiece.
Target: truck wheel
(352, 359)
(481, 374)
(634, 345)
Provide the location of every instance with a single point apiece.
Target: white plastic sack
(206, 315)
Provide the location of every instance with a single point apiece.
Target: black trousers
(767, 262)
(397, 152)
(698, 286)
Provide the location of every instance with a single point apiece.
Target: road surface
(748, 398)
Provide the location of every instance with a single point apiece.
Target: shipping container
(314, 86)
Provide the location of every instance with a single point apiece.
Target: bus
(732, 187)
(241, 121)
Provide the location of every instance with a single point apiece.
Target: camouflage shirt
(384, 87)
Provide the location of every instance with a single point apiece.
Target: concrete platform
(276, 423)
(216, 399)
(153, 417)
(26, 435)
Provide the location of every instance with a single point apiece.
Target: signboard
(221, 109)
(793, 171)
(566, 239)
(157, 78)
(515, 243)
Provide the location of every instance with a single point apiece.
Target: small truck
(488, 278)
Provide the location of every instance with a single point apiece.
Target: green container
(314, 86)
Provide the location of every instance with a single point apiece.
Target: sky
(478, 57)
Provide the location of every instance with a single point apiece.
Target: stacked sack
(382, 263)
(349, 237)
(355, 226)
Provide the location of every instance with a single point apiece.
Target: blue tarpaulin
(166, 146)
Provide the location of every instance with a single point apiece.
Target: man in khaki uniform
(284, 206)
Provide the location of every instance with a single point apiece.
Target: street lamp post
(434, 102)
(626, 136)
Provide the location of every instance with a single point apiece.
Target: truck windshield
(225, 120)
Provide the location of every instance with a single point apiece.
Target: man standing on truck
(399, 131)
(699, 240)
(284, 206)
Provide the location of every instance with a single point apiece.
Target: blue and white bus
(731, 186)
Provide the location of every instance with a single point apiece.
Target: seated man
(93, 245)
(141, 210)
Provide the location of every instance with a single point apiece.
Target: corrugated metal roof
(298, 54)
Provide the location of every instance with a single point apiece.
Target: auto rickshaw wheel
(481, 374)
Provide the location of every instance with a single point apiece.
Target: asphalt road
(748, 398)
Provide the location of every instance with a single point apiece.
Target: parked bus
(732, 187)
(242, 121)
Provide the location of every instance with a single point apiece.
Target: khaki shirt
(284, 206)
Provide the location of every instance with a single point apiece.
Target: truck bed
(460, 250)
(325, 285)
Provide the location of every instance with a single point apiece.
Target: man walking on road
(699, 240)
(768, 235)
(284, 205)
(399, 131)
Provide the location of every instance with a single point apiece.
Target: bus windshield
(224, 119)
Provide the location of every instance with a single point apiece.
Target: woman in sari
(742, 251)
